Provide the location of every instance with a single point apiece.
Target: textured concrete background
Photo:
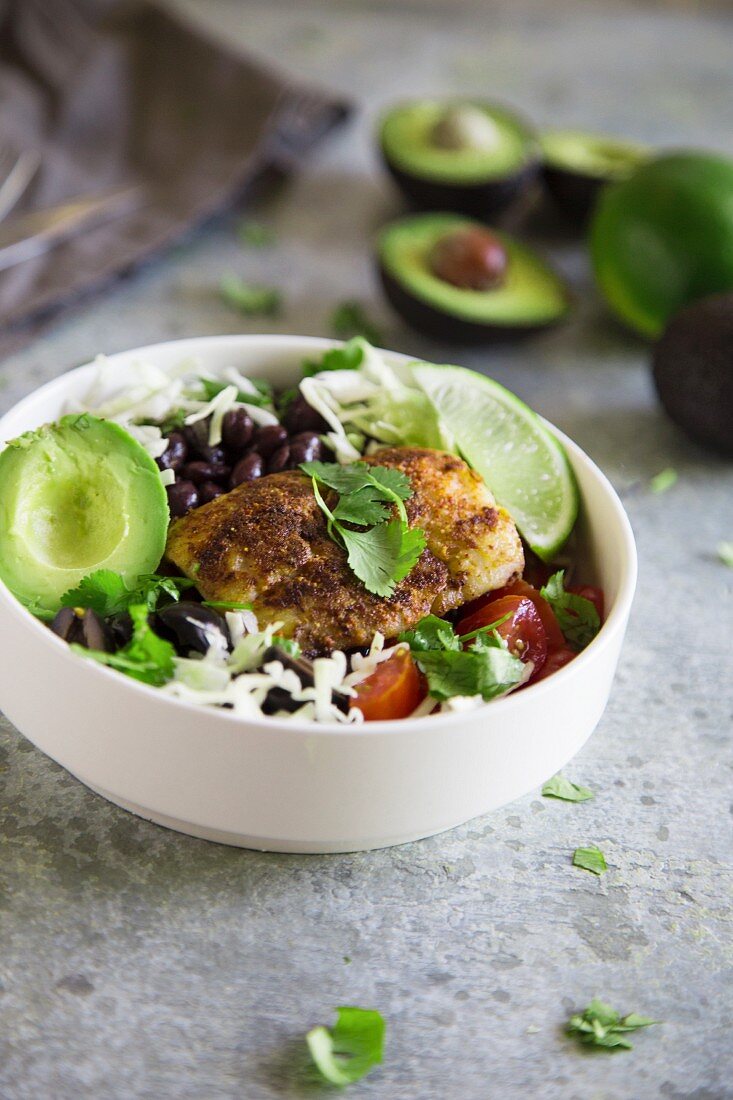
(137, 963)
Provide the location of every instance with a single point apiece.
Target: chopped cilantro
(577, 616)
(107, 593)
(288, 645)
(349, 357)
(725, 553)
(251, 299)
(347, 1051)
(484, 669)
(350, 319)
(263, 396)
(431, 633)
(599, 1025)
(384, 553)
(226, 605)
(146, 656)
(255, 234)
(174, 421)
(590, 859)
(560, 787)
(664, 480)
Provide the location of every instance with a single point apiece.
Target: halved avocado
(577, 164)
(472, 157)
(525, 296)
(76, 496)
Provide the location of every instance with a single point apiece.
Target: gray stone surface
(137, 963)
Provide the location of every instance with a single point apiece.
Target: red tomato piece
(523, 630)
(590, 592)
(555, 636)
(392, 691)
(558, 658)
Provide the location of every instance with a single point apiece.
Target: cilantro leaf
(383, 555)
(590, 859)
(349, 357)
(146, 657)
(264, 395)
(599, 1025)
(578, 618)
(366, 505)
(251, 299)
(288, 645)
(664, 480)
(431, 633)
(560, 787)
(351, 1048)
(725, 553)
(256, 234)
(107, 593)
(350, 319)
(487, 672)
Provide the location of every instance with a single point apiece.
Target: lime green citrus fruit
(664, 237)
(77, 496)
(520, 460)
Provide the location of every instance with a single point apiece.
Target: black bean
(197, 437)
(194, 626)
(121, 627)
(209, 490)
(199, 472)
(95, 633)
(175, 453)
(248, 468)
(65, 623)
(279, 460)
(237, 429)
(267, 440)
(182, 497)
(305, 447)
(302, 417)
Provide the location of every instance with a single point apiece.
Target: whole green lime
(664, 237)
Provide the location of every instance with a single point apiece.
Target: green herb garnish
(347, 1051)
(350, 319)
(288, 645)
(578, 618)
(560, 787)
(255, 234)
(486, 668)
(725, 553)
(251, 299)
(146, 656)
(664, 480)
(263, 396)
(226, 605)
(599, 1025)
(590, 859)
(384, 553)
(106, 592)
(349, 357)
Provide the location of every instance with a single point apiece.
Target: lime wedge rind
(519, 458)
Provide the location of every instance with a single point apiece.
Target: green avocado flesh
(408, 142)
(597, 155)
(75, 496)
(530, 294)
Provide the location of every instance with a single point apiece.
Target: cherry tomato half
(595, 595)
(523, 630)
(556, 659)
(555, 636)
(392, 691)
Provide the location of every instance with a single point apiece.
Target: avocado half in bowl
(472, 157)
(577, 164)
(455, 279)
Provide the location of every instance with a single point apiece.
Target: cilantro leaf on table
(146, 657)
(349, 318)
(578, 617)
(664, 480)
(560, 787)
(725, 553)
(347, 1051)
(106, 592)
(349, 357)
(255, 234)
(251, 299)
(599, 1025)
(590, 859)
(487, 671)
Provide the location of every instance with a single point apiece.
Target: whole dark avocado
(692, 365)
(454, 278)
(472, 157)
(576, 165)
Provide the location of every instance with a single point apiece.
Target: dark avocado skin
(692, 365)
(574, 193)
(429, 321)
(479, 200)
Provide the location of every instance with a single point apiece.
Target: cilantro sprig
(347, 1051)
(599, 1025)
(348, 357)
(107, 593)
(383, 551)
(578, 618)
(146, 657)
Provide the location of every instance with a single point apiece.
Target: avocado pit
(463, 126)
(471, 258)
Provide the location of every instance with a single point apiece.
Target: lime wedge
(522, 462)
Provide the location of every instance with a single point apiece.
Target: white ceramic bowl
(299, 787)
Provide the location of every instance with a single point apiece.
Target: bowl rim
(500, 708)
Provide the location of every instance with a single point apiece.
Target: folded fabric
(110, 94)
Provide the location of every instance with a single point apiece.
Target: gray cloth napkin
(110, 94)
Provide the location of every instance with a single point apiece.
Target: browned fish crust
(266, 543)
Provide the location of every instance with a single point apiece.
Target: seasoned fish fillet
(266, 543)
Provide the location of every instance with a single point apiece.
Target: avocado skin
(478, 199)
(574, 193)
(428, 321)
(692, 366)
